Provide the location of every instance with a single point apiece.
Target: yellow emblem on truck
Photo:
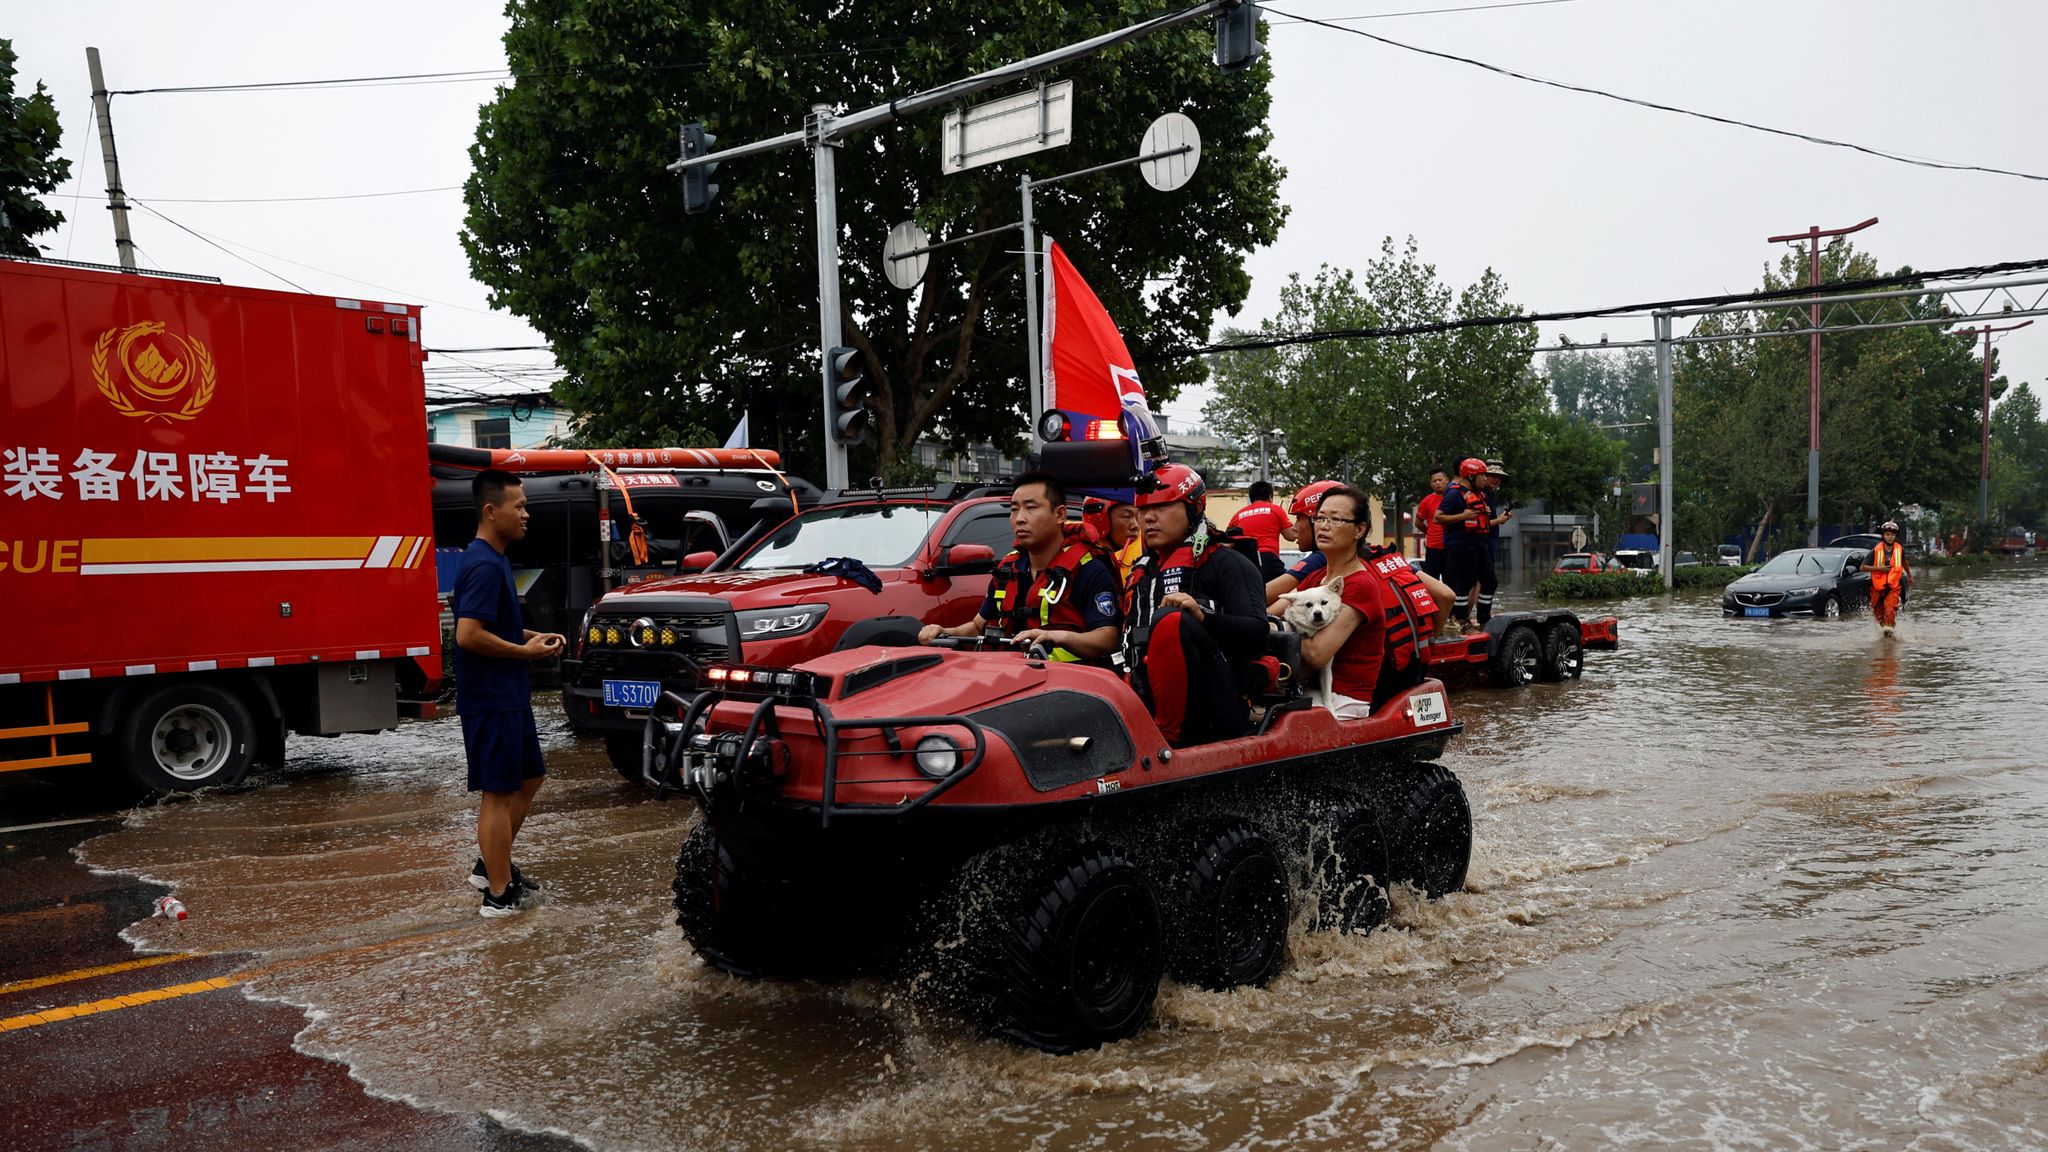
(155, 374)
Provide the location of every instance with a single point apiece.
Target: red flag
(1088, 371)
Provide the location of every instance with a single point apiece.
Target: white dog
(1309, 612)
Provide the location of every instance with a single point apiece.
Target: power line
(1417, 12)
(301, 199)
(209, 242)
(1708, 116)
(1805, 290)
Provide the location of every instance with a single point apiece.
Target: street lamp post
(1268, 434)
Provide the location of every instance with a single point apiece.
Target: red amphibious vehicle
(1019, 832)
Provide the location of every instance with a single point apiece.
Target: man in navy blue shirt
(492, 693)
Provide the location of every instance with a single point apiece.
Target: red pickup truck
(922, 556)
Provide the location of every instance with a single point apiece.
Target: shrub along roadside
(1706, 576)
(1594, 586)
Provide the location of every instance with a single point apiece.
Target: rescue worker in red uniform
(1436, 619)
(1057, 589)
(1263, 521)
(1466, 517)
(1194, 615)
(1889, 577)
(1374, 647)
(1426, 523)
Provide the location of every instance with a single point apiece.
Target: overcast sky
(1575, 200)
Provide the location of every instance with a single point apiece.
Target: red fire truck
(215, 524)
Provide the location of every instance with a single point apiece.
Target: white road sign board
(1030, 121)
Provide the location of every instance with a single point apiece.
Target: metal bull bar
(682, 768)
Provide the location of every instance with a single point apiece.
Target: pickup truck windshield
(880, 536)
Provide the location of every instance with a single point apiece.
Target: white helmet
(1888, 526)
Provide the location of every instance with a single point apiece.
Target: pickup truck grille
(704, 635)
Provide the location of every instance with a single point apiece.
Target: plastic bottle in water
(170, 908)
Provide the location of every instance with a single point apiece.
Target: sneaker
(498, 906)
(480, 880)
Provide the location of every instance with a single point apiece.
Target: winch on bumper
(720, 769)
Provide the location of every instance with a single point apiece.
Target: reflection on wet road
(1748, 884)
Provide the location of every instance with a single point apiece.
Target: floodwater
(1746, 885)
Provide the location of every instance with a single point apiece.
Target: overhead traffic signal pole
(822, 131)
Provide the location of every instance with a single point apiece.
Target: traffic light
(1237, 37)
(847, 410)
(698, 190)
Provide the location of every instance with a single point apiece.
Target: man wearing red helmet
(1195, 614)
(1468, 565)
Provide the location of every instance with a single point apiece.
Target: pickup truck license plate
(1745, 612)
(631, 693)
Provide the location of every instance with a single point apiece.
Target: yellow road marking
(153, 995)
(89, 973)
(115, 1003)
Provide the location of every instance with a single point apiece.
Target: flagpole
(1034, 381)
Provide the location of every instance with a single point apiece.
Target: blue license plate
(631, 693)
(1745, 612)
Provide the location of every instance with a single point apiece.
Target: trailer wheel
(1082, 957)
(1233, 910)
(623, 750)
(1564, 653)
(1517, 657)
(733, 919)
(1430, 832)
(181, 737)
(1348, 867)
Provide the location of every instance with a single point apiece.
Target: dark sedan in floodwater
(1818, 582)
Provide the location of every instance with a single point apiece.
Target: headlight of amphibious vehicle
(937, 756)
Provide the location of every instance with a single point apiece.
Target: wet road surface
(1748, 884)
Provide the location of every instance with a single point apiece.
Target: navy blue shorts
(503, 749)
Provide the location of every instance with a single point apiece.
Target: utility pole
(1812, 236)
(117, 201)
(1984, 453)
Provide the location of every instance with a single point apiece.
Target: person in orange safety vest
(1889, 577)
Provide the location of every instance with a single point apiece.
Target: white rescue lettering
(39, 473)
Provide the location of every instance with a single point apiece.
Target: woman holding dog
(1353, 644)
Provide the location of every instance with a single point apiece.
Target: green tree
(29, 164)
(1896, 416)
(1382, 412)
(2019, 466)
(663, 323)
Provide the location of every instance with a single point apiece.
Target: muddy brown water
(1746, 885)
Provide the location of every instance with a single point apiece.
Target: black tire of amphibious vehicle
(1516, 657)
(1081, 956)
(1564, 653)
(1232, 907)
(623, 750)
(1348, 868)
(738, 923)
(1429, 829)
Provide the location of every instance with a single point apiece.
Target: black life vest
(1410, 609)
(1152, 579)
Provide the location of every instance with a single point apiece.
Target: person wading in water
(1889, 577)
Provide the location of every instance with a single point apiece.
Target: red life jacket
(1411, 610)
(1044, 602)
